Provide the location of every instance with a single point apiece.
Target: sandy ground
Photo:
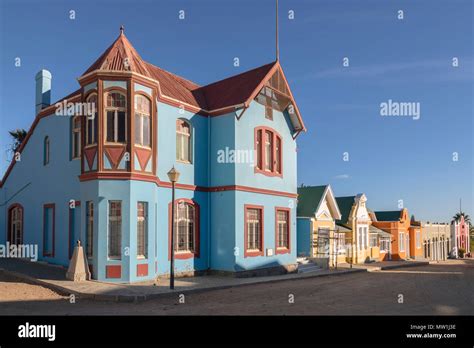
(441, 289)
(12, 289)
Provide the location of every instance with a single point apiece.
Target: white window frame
(141, 115)
(92, 121)
(401, 242)
(180, 144)
(188, 224)
(142, 219)
(116, 110)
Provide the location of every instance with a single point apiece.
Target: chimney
(43, 90)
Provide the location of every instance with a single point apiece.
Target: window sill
(90, 146)
(185, 255)
(108, 143)
(282, 251)
(184, 162)
(253, 253)
(142, 147)
(267, 173)
(141, 257)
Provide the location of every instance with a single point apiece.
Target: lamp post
(173, 175)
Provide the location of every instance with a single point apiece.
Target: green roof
(393, 215)
(308, 199)
(345, 206)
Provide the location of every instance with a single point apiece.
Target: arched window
(142, 120)
(183, 141)
(186, 229)
(76, 137)
(91, 121)
(46, 150)
(116, 117)
(15, 224)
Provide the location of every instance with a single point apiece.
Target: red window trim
(197, 237)
(262, 227)
(282, 250)
(71, 212)
(52, 206)
(260, 150)
(10, 208)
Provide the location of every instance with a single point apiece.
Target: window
(46, 146)
(282, 230)
(418, 239)
(15, 231)
(76, 137)
(268, 151)
(253, 231)
(184, 228)
(183, 141)
(142, 229)
(48, 230)
(361, 232)
(91, 122)
(373, 240)
(384, 244)
(89, 228)
(115, 229)
(116, 120)
(401, 241)
(323, 242)
(268, 147)
(142, 120)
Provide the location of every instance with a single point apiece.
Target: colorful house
(318, 236)
(101, 176)
(460, 236)
(437, 243)
(406, 234)
(355, 218)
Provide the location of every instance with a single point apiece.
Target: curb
(142, 298)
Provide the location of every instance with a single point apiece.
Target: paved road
(441, 289)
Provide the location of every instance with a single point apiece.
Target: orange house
(407, 242)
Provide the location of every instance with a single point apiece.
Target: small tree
(18, 135)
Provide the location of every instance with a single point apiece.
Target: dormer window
(142, 120)
(116, 118)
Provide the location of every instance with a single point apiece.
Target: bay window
(142, 120)
(116, 118)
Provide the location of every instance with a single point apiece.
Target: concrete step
(309, 267)
(302, 261)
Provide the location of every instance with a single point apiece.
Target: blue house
(93, 167)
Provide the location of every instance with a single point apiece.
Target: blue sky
(409, 60)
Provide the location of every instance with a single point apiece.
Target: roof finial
(276, 34)
(122, 29)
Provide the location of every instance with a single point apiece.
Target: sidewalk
(384, 265)
(53, 277)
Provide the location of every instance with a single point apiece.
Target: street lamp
(173, 175)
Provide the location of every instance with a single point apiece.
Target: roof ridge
(242, 73)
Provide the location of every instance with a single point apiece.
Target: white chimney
(43, 90)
